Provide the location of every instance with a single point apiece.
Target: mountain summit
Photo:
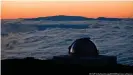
(61, 18)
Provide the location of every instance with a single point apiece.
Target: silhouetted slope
(108, 19)
(61, 18)
(31, 65)
(71, 18)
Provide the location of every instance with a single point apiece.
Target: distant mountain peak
(70, 18)
(60, 18)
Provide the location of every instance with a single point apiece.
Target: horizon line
(68, 15)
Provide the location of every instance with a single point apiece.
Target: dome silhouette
(83, 47)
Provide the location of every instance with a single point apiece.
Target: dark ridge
(108, 19)
(71, 18)
(43, 27)
(32, 65)
(61, 18)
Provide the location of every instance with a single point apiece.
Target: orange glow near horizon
(94, 9)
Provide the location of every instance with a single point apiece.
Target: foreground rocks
(31, 65)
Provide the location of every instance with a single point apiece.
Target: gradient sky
(94, 9)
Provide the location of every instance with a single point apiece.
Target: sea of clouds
(44, 39)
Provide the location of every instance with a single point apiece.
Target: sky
(12, 9)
